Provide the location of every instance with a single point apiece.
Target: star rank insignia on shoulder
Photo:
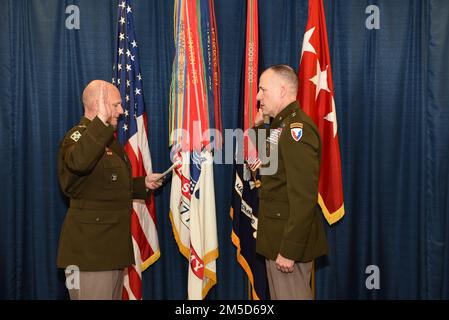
(296, 130)
(75, 136)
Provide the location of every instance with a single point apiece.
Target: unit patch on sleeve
(296, 130)
(75, 136)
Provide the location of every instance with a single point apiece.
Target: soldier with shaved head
(95, 174)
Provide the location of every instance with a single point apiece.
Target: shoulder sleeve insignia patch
(296, 130)
(75, 136)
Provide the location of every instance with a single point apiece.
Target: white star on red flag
(316, 97)
(306, 45)
(320, 79)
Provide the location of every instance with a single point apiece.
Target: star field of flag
(127, 75)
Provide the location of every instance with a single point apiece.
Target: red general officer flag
(316, 97)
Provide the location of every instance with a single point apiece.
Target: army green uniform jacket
(95, 174)
(290, 219)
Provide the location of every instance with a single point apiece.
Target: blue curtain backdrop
(392, 99)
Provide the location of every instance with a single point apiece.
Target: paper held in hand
(173, 166)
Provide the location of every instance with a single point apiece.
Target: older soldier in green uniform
(290, 233)
(95, 174)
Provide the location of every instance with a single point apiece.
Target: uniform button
(277, 214)
(97, 219)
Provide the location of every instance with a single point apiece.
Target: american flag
(132, 134)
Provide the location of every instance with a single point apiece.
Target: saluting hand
(153, 181)
(104, 110)
(258, 120)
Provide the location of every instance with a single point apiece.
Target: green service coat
(95, 174)
(290, 219)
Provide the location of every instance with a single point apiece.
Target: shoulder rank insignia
(296, 130)
(75, 136)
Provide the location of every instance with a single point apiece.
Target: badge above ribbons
(296, 130)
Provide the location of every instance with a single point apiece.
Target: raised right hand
(258, 120)
(104, 110)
